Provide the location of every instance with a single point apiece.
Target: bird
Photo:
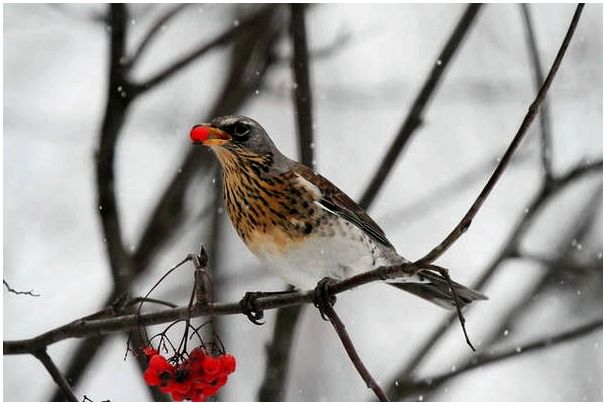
(299, 224)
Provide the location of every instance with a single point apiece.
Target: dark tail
(434, 288)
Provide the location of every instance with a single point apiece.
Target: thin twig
(31, 293)
(157, 26)
(544, 116)
(353, 354)
(483, 359)
(415, 116)
(465, 222)
(242, 28)
(58, 378)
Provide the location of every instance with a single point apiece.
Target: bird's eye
(241, 131)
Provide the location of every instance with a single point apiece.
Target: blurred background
(535, 247)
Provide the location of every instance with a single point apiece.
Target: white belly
(341, 253)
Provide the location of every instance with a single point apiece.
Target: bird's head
(237, 135)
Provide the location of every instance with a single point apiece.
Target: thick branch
(86, 327)
(415, 115)
(117, 103)
(302, 89)
(465, 222)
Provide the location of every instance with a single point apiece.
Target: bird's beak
(207, 135)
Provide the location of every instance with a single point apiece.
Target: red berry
(177, 396)
(210, 391)
(211, 365)
(159, 363)
(198, 134)
(220, 381)
(197, 354)
(151, 377)
(149, 351)
(228, 363)
(199, 397)
(181, 388)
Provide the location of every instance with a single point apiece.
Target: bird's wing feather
(332, 199)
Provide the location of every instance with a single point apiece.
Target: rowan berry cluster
(194, 378)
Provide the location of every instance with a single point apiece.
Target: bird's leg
(322, 298)
(248, 307)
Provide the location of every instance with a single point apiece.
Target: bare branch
(544, 116)
(353, 354)
(465, 222)
(87, 327)
(242, 28)
(115, 113)
(153, 32)
(483, 359)
(302, 89)
(31, 293)
(415, 115)
(58, 378)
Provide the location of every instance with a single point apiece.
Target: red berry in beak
(198, 134)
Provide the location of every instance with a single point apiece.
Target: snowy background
(55, 78)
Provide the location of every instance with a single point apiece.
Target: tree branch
(242, 28)
(544, 117)
(415, 115)
(153, 32)
(58, 378)
(90, 327)
(353, 354)
(302, 88)
(483, 359)
(31, 293)
(465, 222)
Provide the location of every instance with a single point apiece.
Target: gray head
(238, 134)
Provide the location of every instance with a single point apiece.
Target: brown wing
(337, 202)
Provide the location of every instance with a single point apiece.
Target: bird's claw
(323, 300)
(247, 305)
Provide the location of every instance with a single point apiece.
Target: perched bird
(297, 222)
